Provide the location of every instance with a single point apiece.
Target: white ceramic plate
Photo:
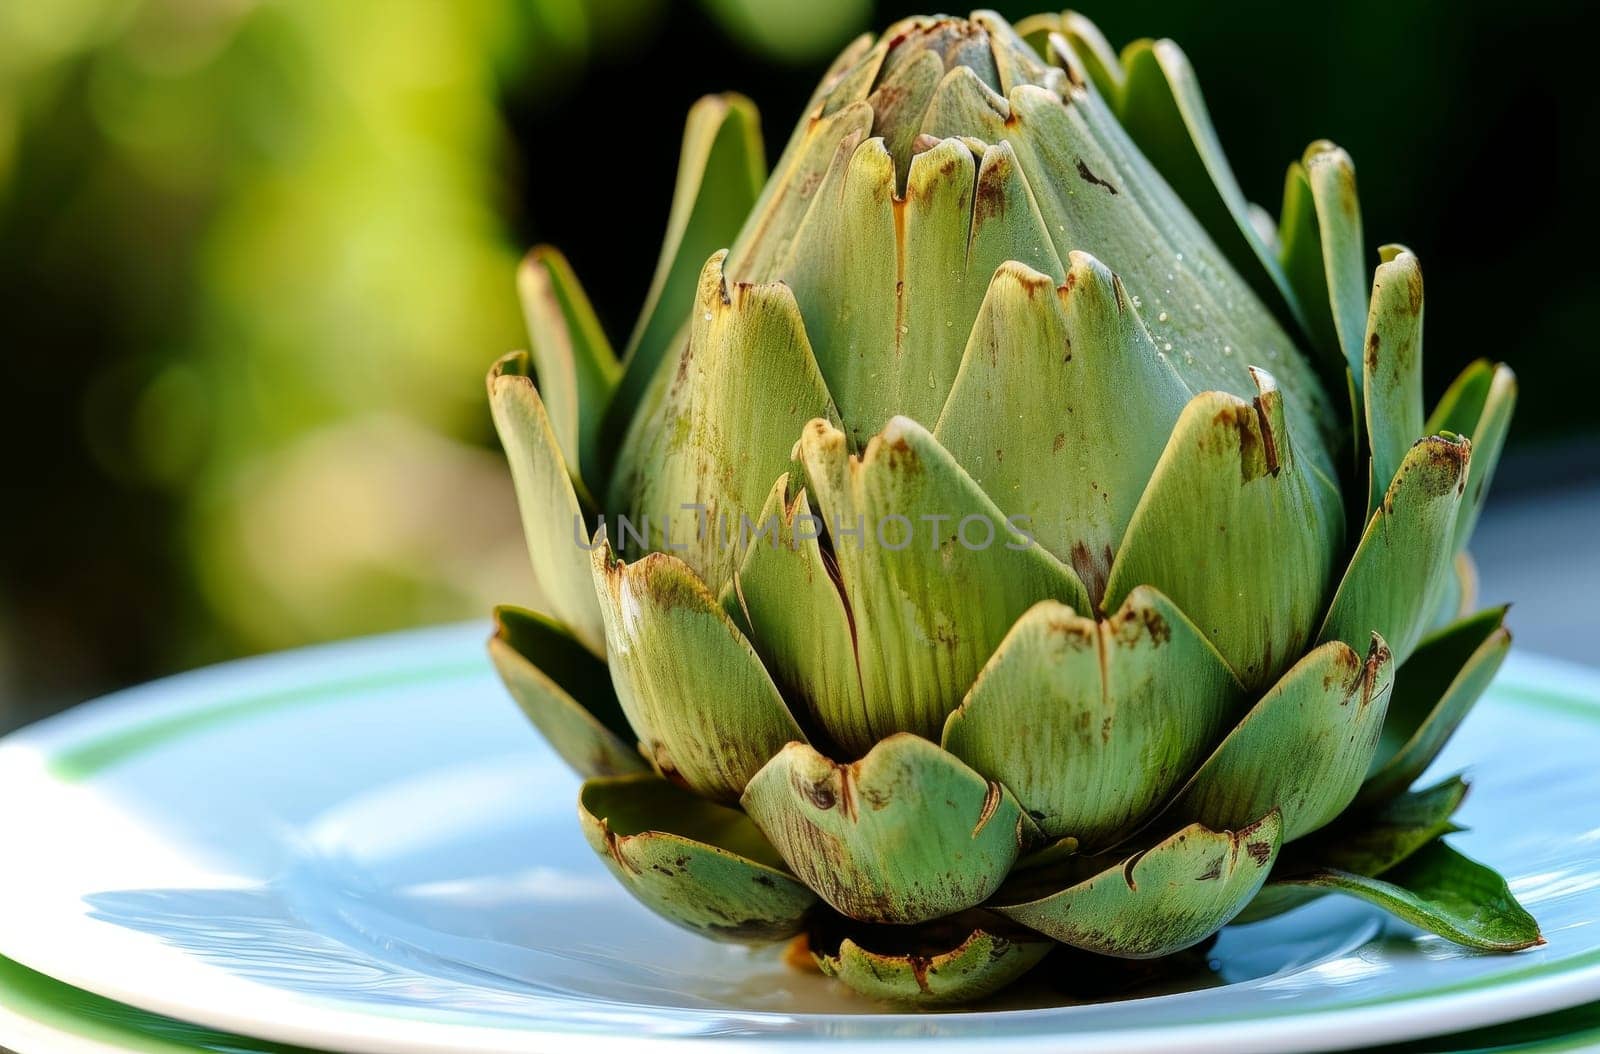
(363, 847)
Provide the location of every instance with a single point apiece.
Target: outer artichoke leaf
(577, 370)
(552, 519)
(707, 714)
(1061, 409)
(1115, 714)
(1361, 843)
(1478, 405)
(1161, 107)
(565, 691)
(694, 473)
(1163, 899)
(1445, 893)
(798, 618)
(703, 866)
(1237, 530)
(1300, 254)
(720, 174)
(933, 572)
(848, 80)
(1443, 679)
(906, 834)
(1332, 176)
(1100, 60)
(1392, 368)
(764, 241)
(950, 961)
(1399, 568)
(1322, 254)
(1266, 225)
(1104, 197)
(1035, 29)
(1371, 842)
(1303, 748)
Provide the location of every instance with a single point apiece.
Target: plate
(363, 847)
(42, 1016)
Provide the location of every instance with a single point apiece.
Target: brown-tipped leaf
(904, 835)
(1163, 899)
(1093, 724)
(1303, 749)
(707, 713)
(701, 865)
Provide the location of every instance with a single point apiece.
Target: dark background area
(1474, 129)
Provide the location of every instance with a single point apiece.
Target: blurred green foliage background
(256, 255)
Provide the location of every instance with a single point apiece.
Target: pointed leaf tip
(1443, 892)
(552, 517)
(1323, 255)
(1392, 368)
(801, 622)
(1478, 405)
(576, 367)
(1399, 568)
(1325, 716)
(1364, 841)
(1230, 475)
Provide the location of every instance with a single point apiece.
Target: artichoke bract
(997, 533)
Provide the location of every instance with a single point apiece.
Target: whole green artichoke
(987, 578)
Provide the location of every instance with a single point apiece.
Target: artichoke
(1008, 536)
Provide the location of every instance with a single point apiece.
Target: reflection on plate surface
(363, 846)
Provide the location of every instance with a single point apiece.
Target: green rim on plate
(69, 1011)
